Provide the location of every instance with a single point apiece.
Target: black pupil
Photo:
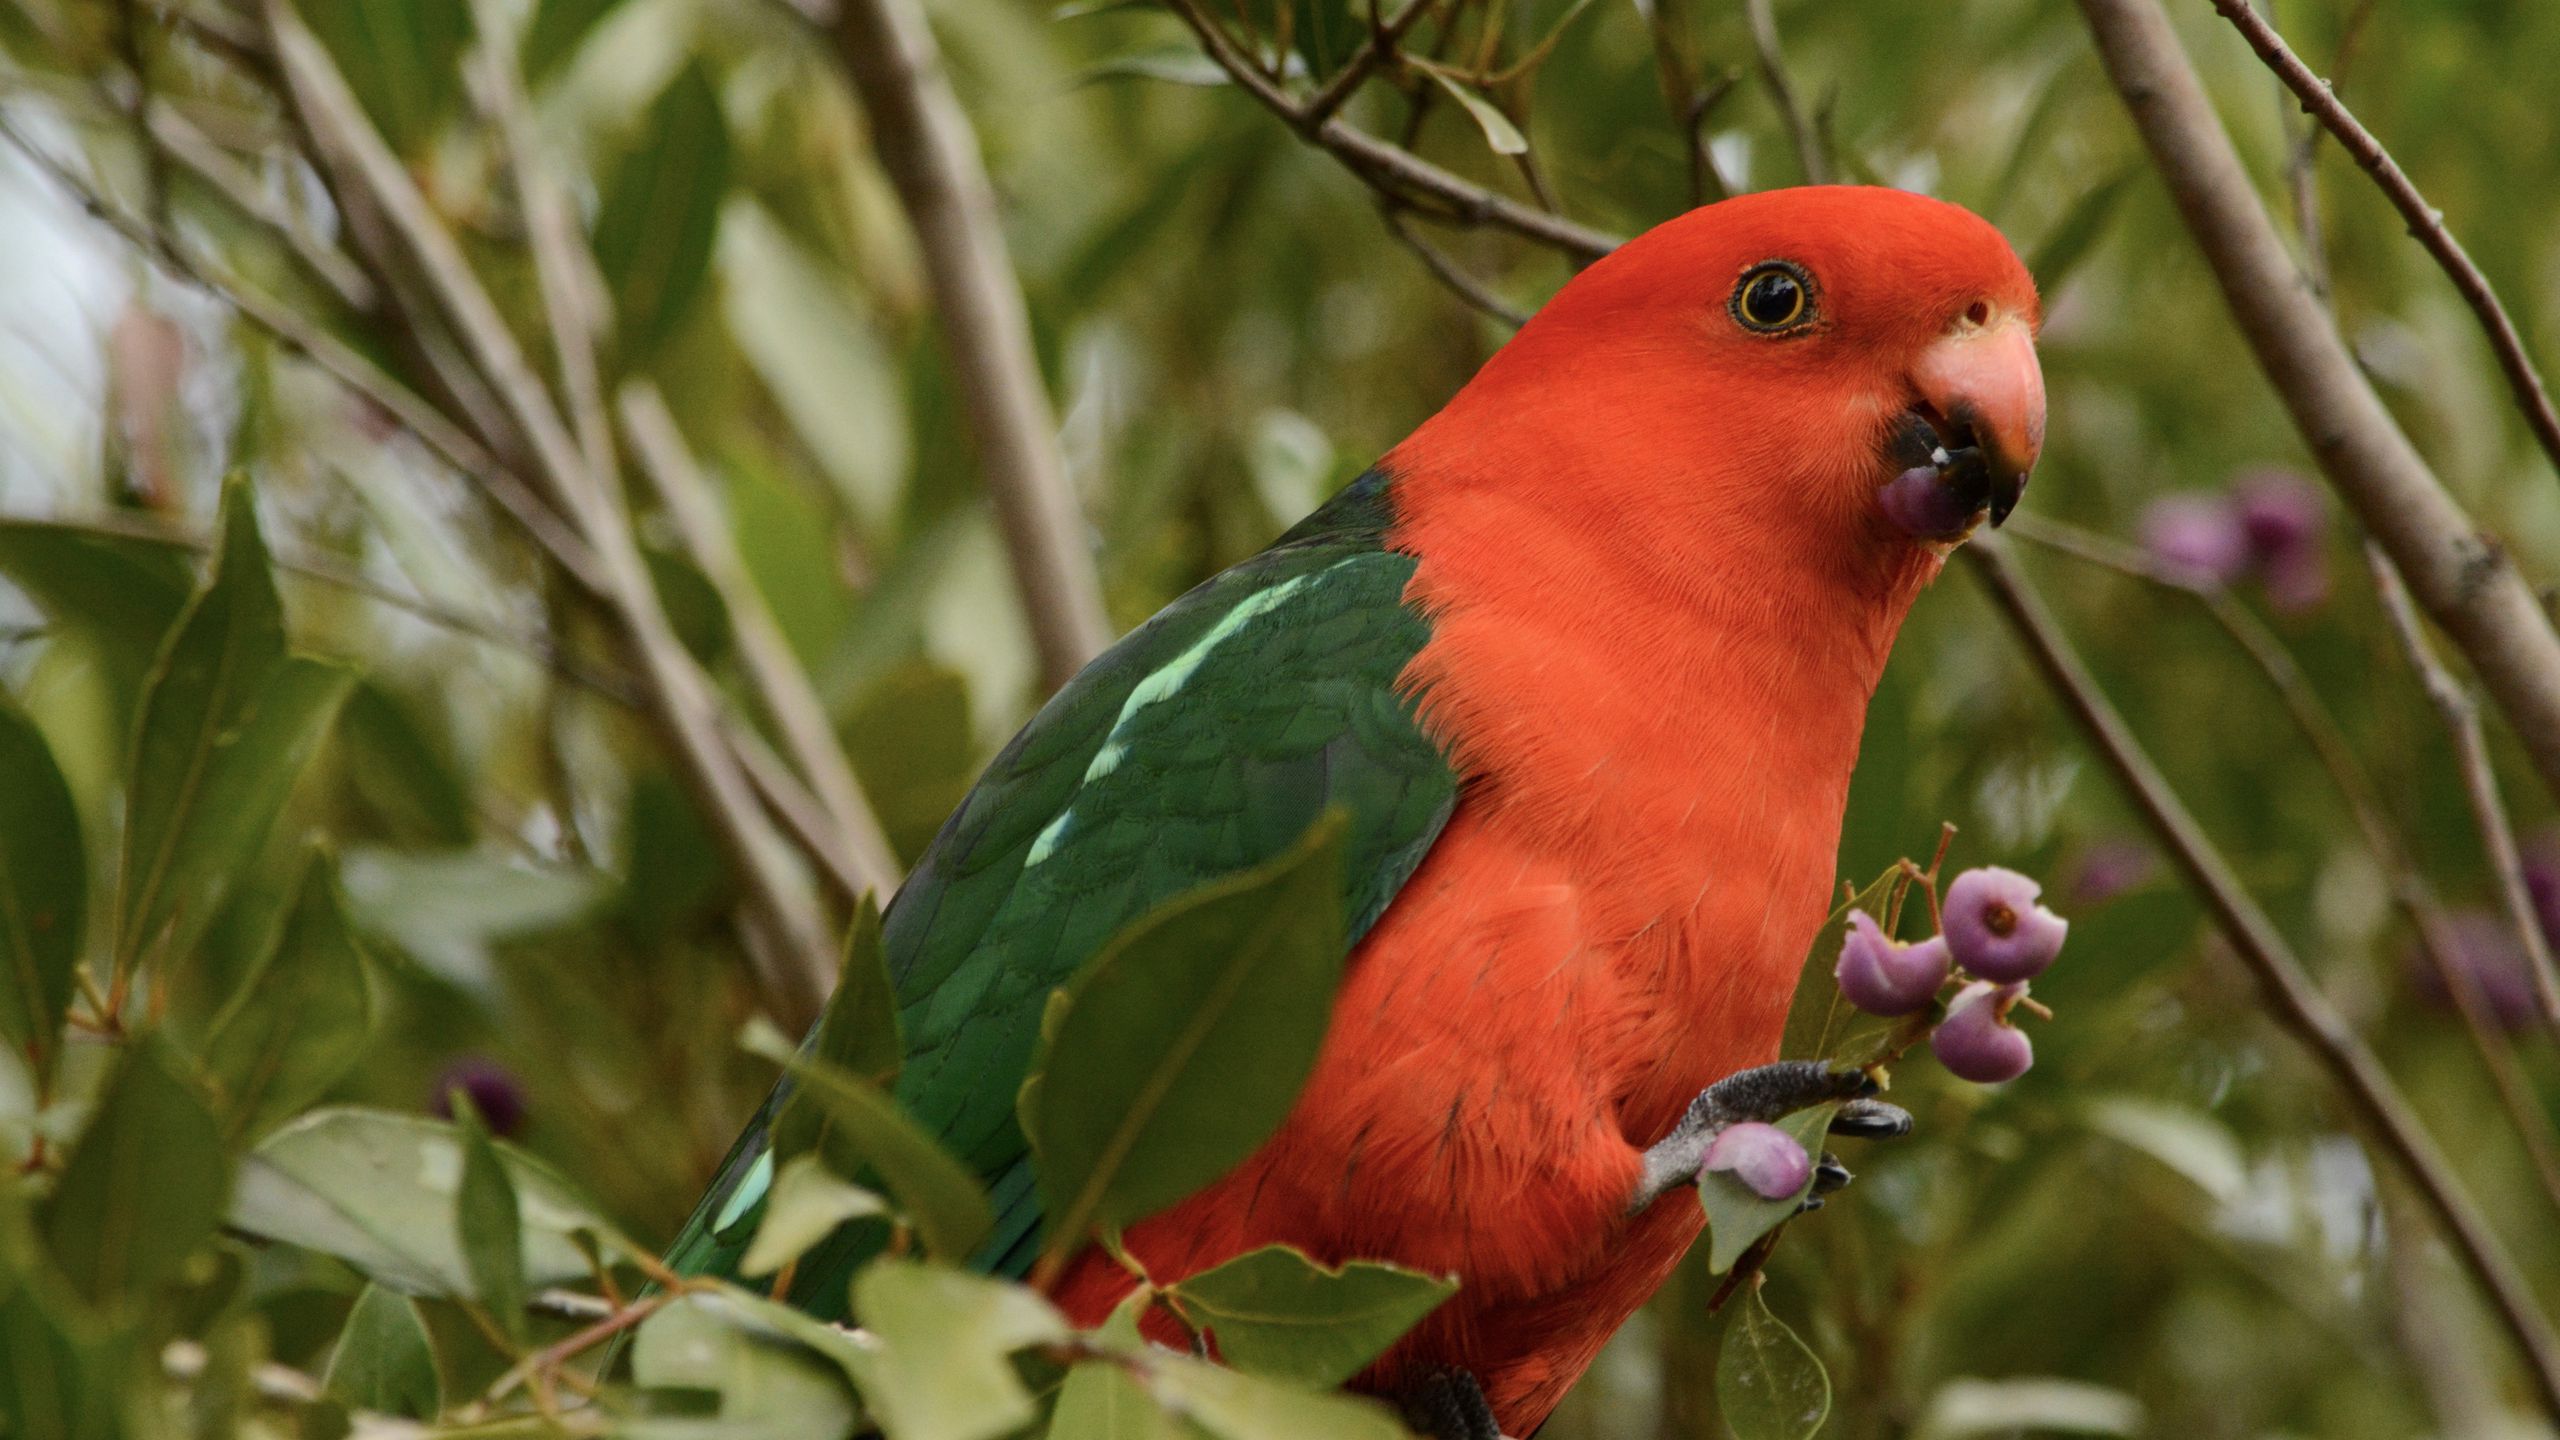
(1772, 299)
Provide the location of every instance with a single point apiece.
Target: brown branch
(1383, 37)
(856, 850)
(2461, 576)
(924, 142)
(175, 136)
(1782, 91)
(1449, 273)
(2426, 223)
(2298, 1004)
(794, 976)
(2479, 781)
(1391, 168)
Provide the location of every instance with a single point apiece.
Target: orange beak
(1988, 391)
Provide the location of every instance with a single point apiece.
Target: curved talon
(1868, 1118)
(1449, 1404)
(1762, 1093)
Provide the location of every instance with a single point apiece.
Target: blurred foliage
(326, 822)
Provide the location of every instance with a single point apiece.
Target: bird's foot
(1448, 1404)
(1765, 1093)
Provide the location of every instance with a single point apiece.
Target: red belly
(1507, 1041)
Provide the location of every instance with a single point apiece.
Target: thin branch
(1383, 38)
(2409, 887)
(174, 135)
(2461, 576)
(2479, 781)
(2426, 223)
(1782, 91)
(2297, 1001)
(1448, 271)
(794, 976)
(856, 845)
(924, 142)
(1392, 168)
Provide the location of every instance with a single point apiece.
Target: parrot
(1583, 664)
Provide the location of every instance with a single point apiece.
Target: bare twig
(2462, 577)
(795, 975)
(2426, 223)
(2409, 887)
(1391, 168)
(173, 134)
(1782, 91)
(924, 142)
(2479, 780)
(856, 845)
(2297, 1002)
(1381, 48)
(1449, 272)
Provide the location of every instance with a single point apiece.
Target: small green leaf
(401, 774)
(301, 1020)
(489, 1224)
(858, 1031)
(2079, 230)
(1499, 132)
(559, 28)
(44, 888)
(379, 1191)
(401, 57)
(144, 1185)
(1737, 1215)
(805, 1206)
(1275, 1312)
(1769, 1386)
(1183, 1044)
(120, 595)
(384, 1360)
(942, 1369)
(1236, 1406)
(661, 212)
(1101, 1400)
(770, 1387)
(860, 1131)
(228, 722)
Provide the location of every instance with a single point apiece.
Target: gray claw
(1868, 1118)
(1763, 1093)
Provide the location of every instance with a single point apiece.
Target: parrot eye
(1774, 296)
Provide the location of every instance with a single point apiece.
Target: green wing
(1205, 742)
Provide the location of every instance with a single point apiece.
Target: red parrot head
(1843, 371)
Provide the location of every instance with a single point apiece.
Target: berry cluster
(1991, 929)
(2269, 524)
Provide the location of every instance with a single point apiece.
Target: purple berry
(1925, 506)
(2196, 535)
(1763, 1157)
(2298, 582)
(494, 1091)
(1883, 976)
(1995, 928)
(2483, 947)
(1976, 1042)
(2280, 513)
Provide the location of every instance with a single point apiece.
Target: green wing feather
(1205, 742)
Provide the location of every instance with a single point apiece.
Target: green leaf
(860, 1131)
(1236, 1406)
(301, 1020)
(57, 1378)
(1737, 1215)
(120, 595)
(228, 722)
(1769, 1386)
(1183, 1045)
(770, 1387)
(942, 1367)
(404, 776)
(912, 748)
(559, 27)
(379, 1191)
(2078, 231)
(1821, 1023)
(489, 1224)
(384, 1360)
(661, 212)
(401, 57)
(448, 908)
(1499, 132)
(806, 1204)
(1275, 1312)
(858, 1031)
(1101, 1400)
(44, 891)
(144, 1185)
